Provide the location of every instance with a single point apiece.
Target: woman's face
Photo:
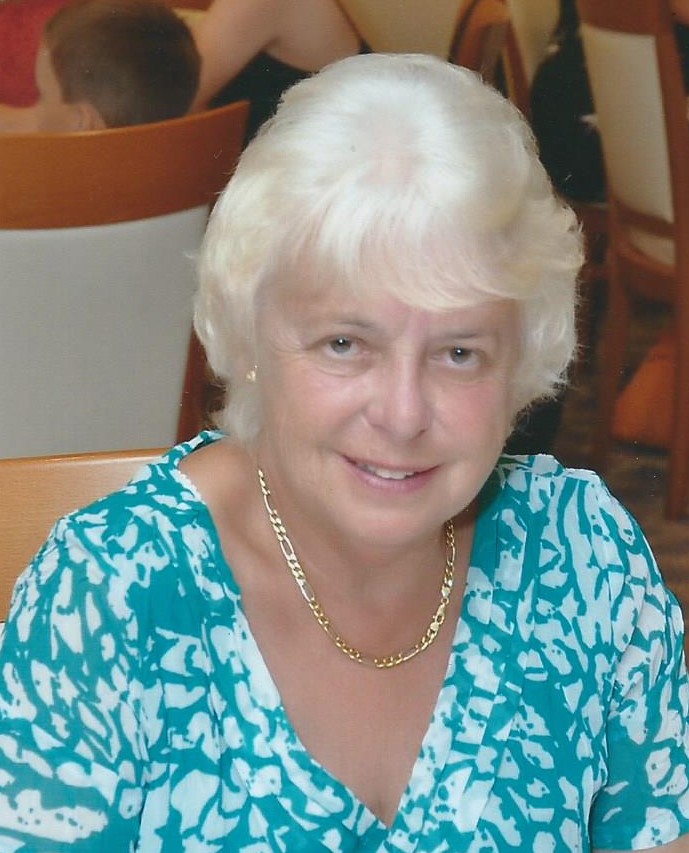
(381, 420)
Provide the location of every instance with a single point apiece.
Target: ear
(86, 116)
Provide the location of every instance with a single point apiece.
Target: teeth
(385, 474)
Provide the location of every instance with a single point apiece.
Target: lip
(367, 472)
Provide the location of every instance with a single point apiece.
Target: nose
(400, 402)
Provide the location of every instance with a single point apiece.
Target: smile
(386, 473)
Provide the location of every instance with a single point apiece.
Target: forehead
(380, 307)
(317, 285)
(424, 270)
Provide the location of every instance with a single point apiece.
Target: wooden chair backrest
(532, 23)
(122, 174)
(97, 237)
(35, 492)
(480, 36)
(636, 80)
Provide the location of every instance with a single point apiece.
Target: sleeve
(71, 747)
(645, 801)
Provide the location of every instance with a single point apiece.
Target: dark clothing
(561, 101)
(536, 429)
(571, 153)
(682, 36)
(261, 82)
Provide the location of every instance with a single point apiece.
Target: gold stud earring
(251, 374)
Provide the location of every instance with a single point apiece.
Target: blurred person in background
(255, 49)
(109, 63)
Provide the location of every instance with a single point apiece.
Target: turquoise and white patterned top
(136, 712)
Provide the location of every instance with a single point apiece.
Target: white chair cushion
(633, 133)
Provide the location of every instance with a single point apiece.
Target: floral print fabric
(136, 711)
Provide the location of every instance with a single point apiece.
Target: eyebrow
(470, 334)
(354, 322)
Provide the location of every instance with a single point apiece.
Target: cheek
(483, 411)
(299, 406)
(501, 397)
(312, 391)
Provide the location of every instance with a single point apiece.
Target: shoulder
(586, 540)
(543, 482)
(120, 544)
(575, 506)
(158, 496)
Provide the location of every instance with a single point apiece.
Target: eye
(341, 345)
(460, 355)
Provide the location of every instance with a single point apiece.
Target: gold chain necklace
(387, 661)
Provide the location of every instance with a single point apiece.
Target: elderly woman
(345, 622)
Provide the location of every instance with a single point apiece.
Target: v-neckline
(480, 671)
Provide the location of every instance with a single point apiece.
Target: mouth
(386, 473)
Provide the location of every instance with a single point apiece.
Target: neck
(389, 659)
(356, 570)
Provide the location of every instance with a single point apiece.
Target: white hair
(402, 172)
